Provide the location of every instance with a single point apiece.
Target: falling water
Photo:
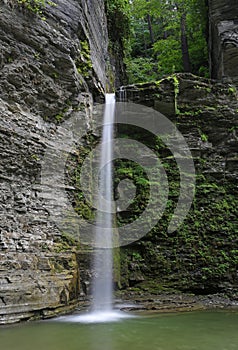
(103, 260)
(102, 308)
(122, 94)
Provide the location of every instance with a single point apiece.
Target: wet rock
(49, 69)
(41, 59)
(223, 30)
(200, 256)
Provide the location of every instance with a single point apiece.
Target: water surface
(207, 330)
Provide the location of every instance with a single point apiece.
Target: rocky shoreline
(167, 302)
(138, 302)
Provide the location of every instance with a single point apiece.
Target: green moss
(35, 6)
(35, 157)
(85, 211)
(210, 108)
(59, 117)
(204, 137)
(55, 75)
(83, 61)
(81, 206)
(204, 88)
(202, 251)
(174, 78)
(176, 92)
(66, 243)
(232, 90)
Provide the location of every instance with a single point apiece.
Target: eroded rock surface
(223, 38)
(50, 69)
(46, 64)
(201, 255)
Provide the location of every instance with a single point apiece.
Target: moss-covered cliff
(201, 256)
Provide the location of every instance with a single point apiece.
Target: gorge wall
(52, 65)
(223, 39)
(201, 256)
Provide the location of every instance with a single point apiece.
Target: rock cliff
(223, 39)
(56, 64)
(201, 256)
(51, 65)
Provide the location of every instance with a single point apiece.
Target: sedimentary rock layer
(52, 65)
(223, 39)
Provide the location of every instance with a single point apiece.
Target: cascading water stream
(102, 306)
(103, 259)
(122, 94)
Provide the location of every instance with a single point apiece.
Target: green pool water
(182, 331)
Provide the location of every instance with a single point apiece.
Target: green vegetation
(201, 255)
(35, 6)
(166, 37)
(232, 90)
(83, 61)
(81, 205)
(118, 14)
(140, 69)
(159, 37)
(204, 137)
(118, 22)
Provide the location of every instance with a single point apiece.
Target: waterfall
(103, 257)
(122, 94)
(102, 307)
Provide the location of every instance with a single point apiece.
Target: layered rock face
(50, 68)
(223, 38)
(201, 255)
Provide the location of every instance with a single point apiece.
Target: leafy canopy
(165, 33)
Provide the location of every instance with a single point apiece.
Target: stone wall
(202, 255)
(50, 68)
(223, 39)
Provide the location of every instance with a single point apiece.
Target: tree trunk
(184, 44)
(152, 38)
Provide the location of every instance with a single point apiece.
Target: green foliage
(232, 90)
(83, 61)
(176, 92)
(156, 32)
(169, 56)
(35, 6)
(118, 15)
(141, 69)
(204, 137)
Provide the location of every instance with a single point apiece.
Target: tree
(170, 33)
(183, 34)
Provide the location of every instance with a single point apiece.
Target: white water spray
(103, 259)
(102, 307)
